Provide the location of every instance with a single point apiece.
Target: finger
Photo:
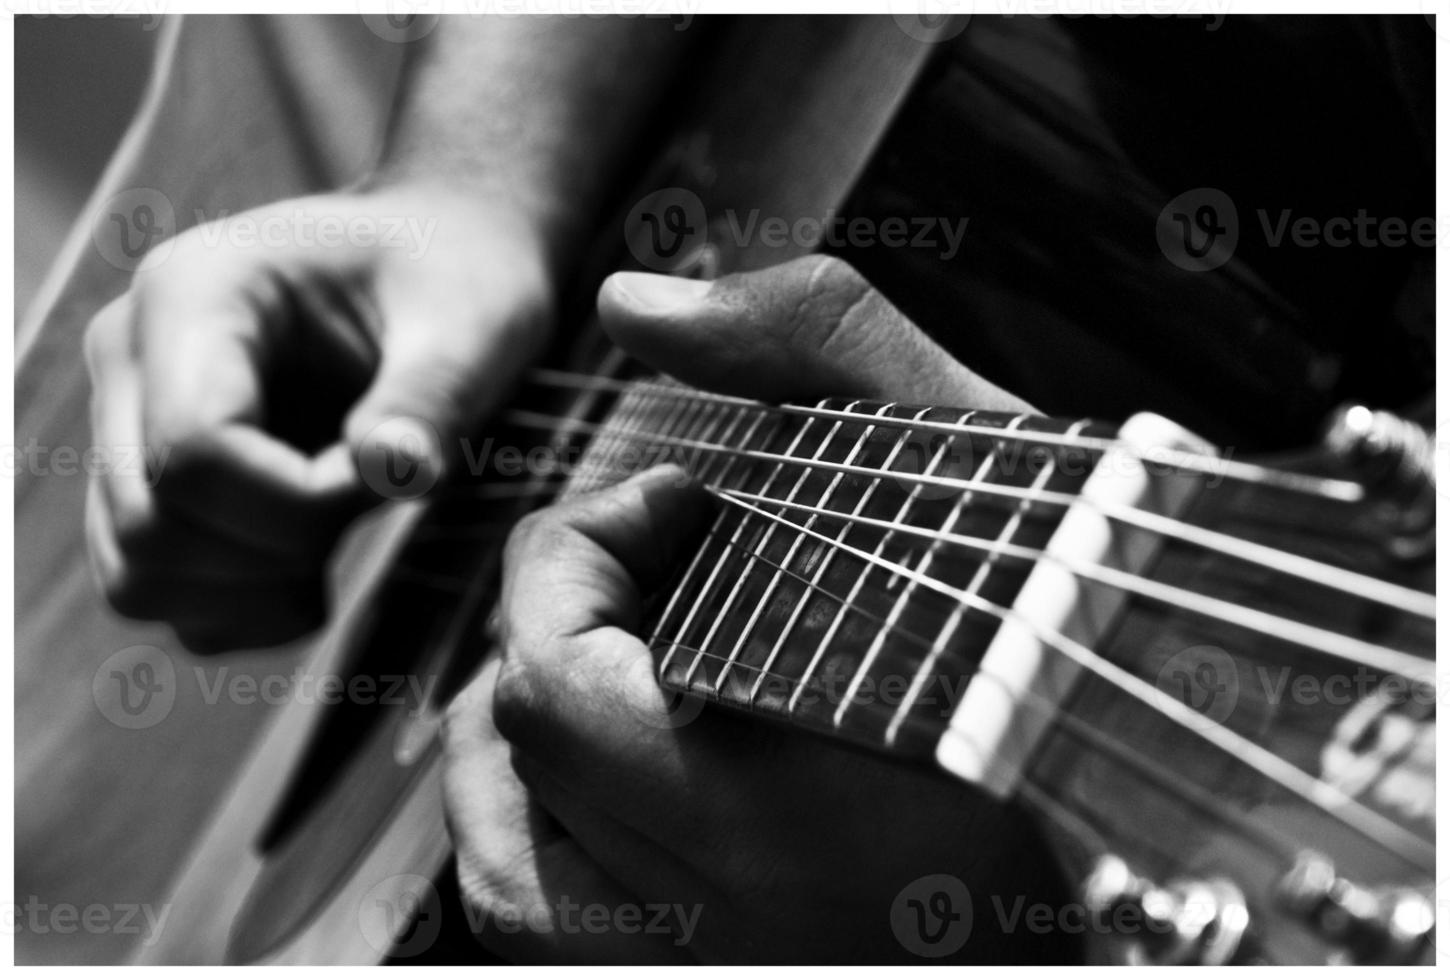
(219, 593)
(577, 691)
(524, 880)
(805, 329)
(208, 326)
(214, 609)
(630, 857)
(450, 352)
(115, 410)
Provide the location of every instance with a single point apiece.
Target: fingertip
(627, 297)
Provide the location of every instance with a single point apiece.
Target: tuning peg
(1394, 459)
(1187, 921)
(1389, 925)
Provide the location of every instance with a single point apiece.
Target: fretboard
(805, 600)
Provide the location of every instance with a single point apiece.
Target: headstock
(1293, 821)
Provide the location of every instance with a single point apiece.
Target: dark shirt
(1062, 140)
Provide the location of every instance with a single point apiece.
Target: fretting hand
(567, 781)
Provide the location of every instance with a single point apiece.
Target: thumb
(437, 379)
(809, 328)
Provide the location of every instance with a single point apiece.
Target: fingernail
(661, 294)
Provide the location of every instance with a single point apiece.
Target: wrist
(539, 226)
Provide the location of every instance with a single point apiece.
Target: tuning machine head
(1188, 921)
(1385, 925)
(1395, 460)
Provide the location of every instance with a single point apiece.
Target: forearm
(534, 113)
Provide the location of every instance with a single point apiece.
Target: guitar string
(1339, 646)
(728, 464)
(1408, 601)
(973, 587)
(1274, 841)
(1314, 791)
(1168, 779)
(766, 594)
(825, 564)
(1344, 647)
(900, 716)
(949, 628)
(1329, 488)
(741, 580)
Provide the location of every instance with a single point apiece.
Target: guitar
(1145, 642)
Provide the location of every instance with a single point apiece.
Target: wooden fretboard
(770, 618)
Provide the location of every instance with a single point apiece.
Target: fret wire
(739, 583)
(989, 561)
(706, 588)
(1366, 822)
(601, 447)
(852, 455)
(1316, 638)
(1167, 779)
(983, 473)
(1276, 560)
(1112, 748)
(1344, 491)
(635, 402)
(828, 559)
(840, 618)
(719, 519)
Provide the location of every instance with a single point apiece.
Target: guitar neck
(825, 622)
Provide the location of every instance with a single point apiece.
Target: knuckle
(105, 336)
(829, 304)
(515, 699)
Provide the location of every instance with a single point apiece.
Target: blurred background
(77, 83)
